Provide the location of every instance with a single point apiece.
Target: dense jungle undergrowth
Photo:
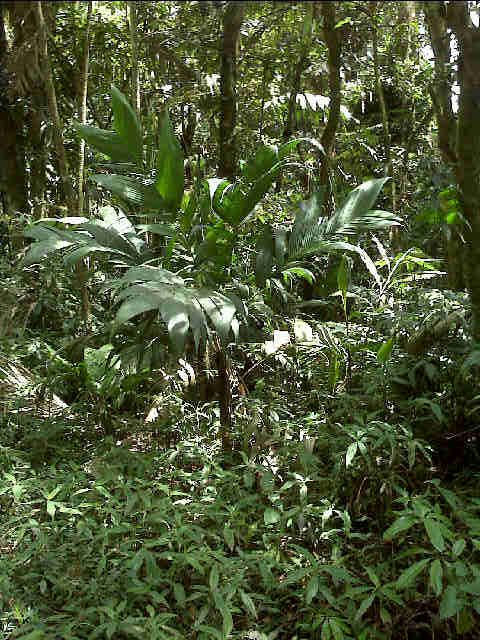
(346, 507)
(287, 449)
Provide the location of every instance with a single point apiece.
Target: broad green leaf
(401, 524)
(449, 606)
(169, 180)
(107, 142)
(38, 251)
(306, 274)
(126, 124)
(131, 190)
(436, 577)
(263, 160)
(351, 451)
(407, 577)
(271, 516)
(385, 351)
(433, 530)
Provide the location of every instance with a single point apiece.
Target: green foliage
(313, 233)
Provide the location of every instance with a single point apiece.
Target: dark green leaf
(127, 125)
(169, 180)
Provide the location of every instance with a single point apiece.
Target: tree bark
(227, 165)
(53, 108)
(132, 21)
(468, 145)
(13, 183)
(83, 110)
(441, 94)
(332, 39)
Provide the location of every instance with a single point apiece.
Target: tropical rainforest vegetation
(240, 320)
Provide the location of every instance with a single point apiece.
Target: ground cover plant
(239, 329)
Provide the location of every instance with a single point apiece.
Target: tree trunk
(441, 94)
(332, 39)
(227, 165)
(468, 145)
(12, 150)
(132, 20)
(83, 110)
(53, 108)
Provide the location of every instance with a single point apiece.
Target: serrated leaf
(436, 577)
(407, 577)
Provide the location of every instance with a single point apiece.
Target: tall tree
(83, 109)
(441, 93)
(57, 124)
(13, 184)
(232, 22)
(468, 144)
(332, 37)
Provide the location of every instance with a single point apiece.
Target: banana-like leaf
(107, 142)
(169, 181)
(131, 190)
(127, 125)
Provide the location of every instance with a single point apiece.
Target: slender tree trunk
(132, 20)
(332, 39)
(53, 108)
(83, 110)
(468, 145)
(232, 21)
